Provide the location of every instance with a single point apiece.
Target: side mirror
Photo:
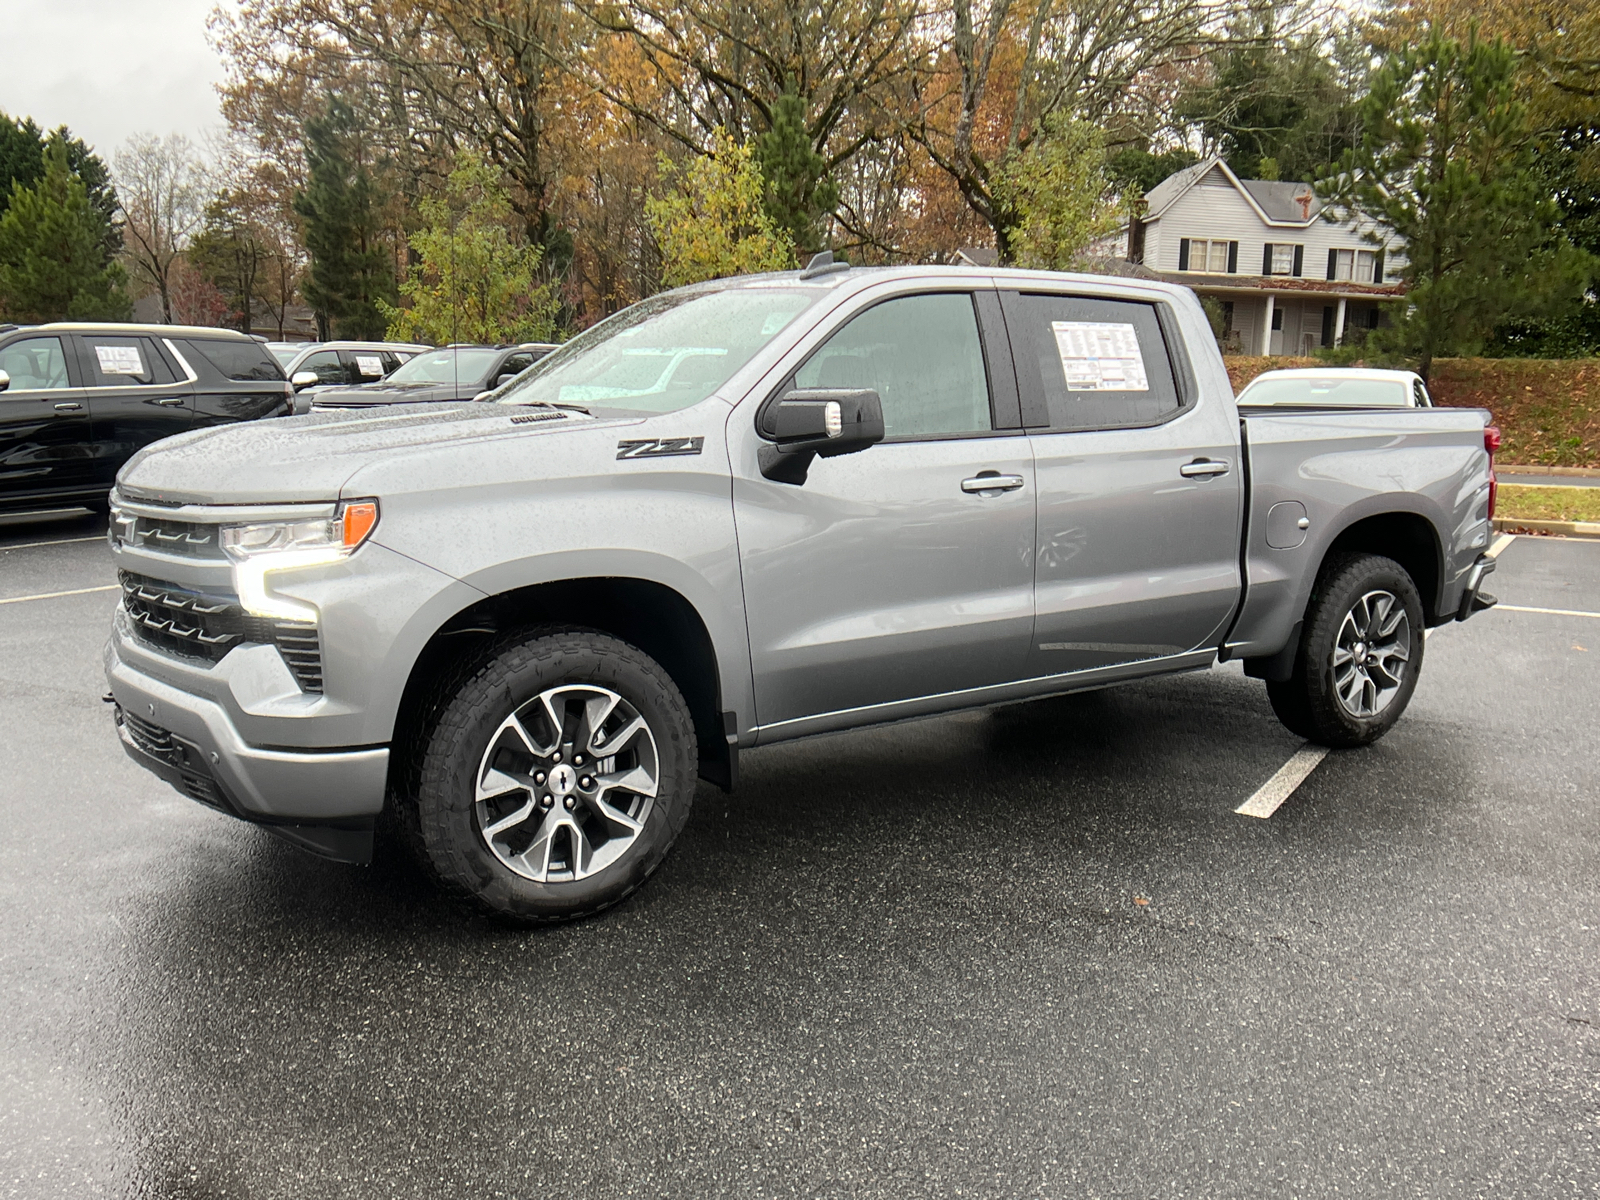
(502, 380)
(808, 422)
(304, 379)
(5, 381)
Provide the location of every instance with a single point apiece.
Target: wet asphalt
(1031, 952)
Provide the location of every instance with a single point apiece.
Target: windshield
(446, 366)
(664, 353)
(1327, 391)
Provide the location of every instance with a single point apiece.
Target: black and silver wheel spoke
(567, 783)
(1371, 652)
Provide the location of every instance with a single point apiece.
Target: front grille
(186, 538)
(206, 625)
(193, 773)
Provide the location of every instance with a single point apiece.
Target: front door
(135, 398)
(45, 444)
(1140, 485)
(893, 573)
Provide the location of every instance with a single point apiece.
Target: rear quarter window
(243, 362)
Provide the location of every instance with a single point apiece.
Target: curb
(1588, 530)
(1578, 472)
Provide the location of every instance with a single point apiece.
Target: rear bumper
(190, 742)
(1473, 598)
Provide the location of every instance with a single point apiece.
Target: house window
(1365, 259)
(1282, 258)
(1358, 266)
(1206, 255)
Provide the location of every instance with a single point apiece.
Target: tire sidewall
(446, 801)
(1346, 585)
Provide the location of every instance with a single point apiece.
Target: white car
(339, 364)
(1336, 387)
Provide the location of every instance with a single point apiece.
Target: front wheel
(1360, 654)
(555, 778)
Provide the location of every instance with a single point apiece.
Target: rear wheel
(1360, 654)
(557, 774)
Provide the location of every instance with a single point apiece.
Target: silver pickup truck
(750, 511)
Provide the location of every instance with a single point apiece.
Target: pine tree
(352, 267)
(22, 147)
(799, 194)
(1447, 166)
(52, 260)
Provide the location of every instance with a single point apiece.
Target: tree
(52, 259)
(352, 265)
(799, 193)
(1447, 166)
(22, 150)
(1057, 191)
(230, 254)
(714, 221)
(163, 188)
(476, 282)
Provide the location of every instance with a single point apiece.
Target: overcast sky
(109, 68)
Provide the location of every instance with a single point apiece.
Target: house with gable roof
(1288, 280)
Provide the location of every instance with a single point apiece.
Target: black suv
(457, 372)
(77, 400)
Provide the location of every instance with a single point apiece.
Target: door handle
(1201, 467)
(69, 406)
(991, 481)
(171, 401)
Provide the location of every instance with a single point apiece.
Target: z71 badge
(660, 447)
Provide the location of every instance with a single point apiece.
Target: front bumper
(191, 743)
(1473, 598)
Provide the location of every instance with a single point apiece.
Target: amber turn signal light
(359, 518)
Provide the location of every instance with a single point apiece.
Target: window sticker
(1100, 356)
(370, 366)
(119, 360)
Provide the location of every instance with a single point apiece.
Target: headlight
(269, 546)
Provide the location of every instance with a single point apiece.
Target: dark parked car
(448, 373)
(77, 400)
(313, 366)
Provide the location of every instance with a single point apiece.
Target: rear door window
(241, 361)
(125, 362)
(1087, 363)
(366, 365)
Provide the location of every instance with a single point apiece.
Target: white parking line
(1500, 543)
(1554, 612)
(99, 537)
(110, 587)
(1271, 794)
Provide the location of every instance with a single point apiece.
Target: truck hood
(368, 394)
(309, 458)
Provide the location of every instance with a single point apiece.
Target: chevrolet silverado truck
(748, 511)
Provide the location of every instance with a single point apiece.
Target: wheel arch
(646, 613)
(1406, 536)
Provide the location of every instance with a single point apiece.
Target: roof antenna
(822, 263)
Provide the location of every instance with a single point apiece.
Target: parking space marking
(99, 537)
(1500, 543)
(1271, 794)
(110, 587)
(1554, 612)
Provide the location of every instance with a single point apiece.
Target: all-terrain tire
(1309, 701)
(439, 816)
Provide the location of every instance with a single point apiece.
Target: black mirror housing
(810, 422)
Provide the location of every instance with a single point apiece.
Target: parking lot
(1029, 952)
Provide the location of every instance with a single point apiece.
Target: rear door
(136, 397)
(239, 380)
(46, 446)
(1139, 484)
(894, 573)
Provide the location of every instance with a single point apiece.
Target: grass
(1548, 503)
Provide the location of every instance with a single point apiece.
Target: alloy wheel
(1371, 653)
(567, 783)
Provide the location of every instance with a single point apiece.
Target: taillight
(1491, 443)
